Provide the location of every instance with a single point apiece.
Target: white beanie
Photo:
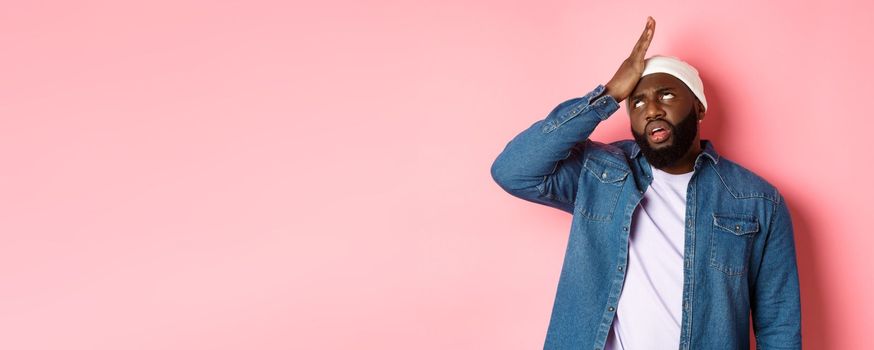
(679, 69)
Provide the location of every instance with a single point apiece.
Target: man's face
(664, 118)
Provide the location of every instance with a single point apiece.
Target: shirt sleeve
(775, 293)
(542, 163)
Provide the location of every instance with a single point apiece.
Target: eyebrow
(658, 89)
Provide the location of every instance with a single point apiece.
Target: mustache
(646, 126)
(659, 120)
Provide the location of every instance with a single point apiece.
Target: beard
(682, 136)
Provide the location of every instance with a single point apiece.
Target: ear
(700, 110)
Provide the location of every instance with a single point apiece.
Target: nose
(653, 110)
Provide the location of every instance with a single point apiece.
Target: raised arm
(542, 164)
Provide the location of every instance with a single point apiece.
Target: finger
(651, 22)
(643, 35)
(641, 41)
(645, 39)
(645, 44)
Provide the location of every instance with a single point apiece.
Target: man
(672, 245)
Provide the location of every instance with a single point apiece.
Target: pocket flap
(739, 224)
(605, 170)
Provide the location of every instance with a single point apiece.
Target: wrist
(609, 89)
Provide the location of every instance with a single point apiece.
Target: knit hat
(679, 69)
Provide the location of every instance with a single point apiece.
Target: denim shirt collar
(707, 150)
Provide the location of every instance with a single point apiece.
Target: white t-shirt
(650, 308)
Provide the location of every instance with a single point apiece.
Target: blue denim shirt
(739, 254)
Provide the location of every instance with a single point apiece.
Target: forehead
(658, 81)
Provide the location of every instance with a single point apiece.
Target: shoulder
(625, 146)
(744, 183)
(607, 151)
(620, 149)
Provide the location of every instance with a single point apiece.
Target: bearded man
(672, 246)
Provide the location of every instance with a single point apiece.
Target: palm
(625, 79)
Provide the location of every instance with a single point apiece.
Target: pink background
(272, 175)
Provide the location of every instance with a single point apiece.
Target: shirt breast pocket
(600, 187)
(730, 241)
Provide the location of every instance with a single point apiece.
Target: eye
(667, 96)
(637, 103)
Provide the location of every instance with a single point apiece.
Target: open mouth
(658, 131)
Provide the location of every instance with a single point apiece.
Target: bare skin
(626, 77)
(627, 81)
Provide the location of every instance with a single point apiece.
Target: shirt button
(737, 228)
(604, 175)
(624, 228)
(611, 309)
(620, 268)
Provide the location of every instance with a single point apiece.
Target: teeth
(656, 129)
